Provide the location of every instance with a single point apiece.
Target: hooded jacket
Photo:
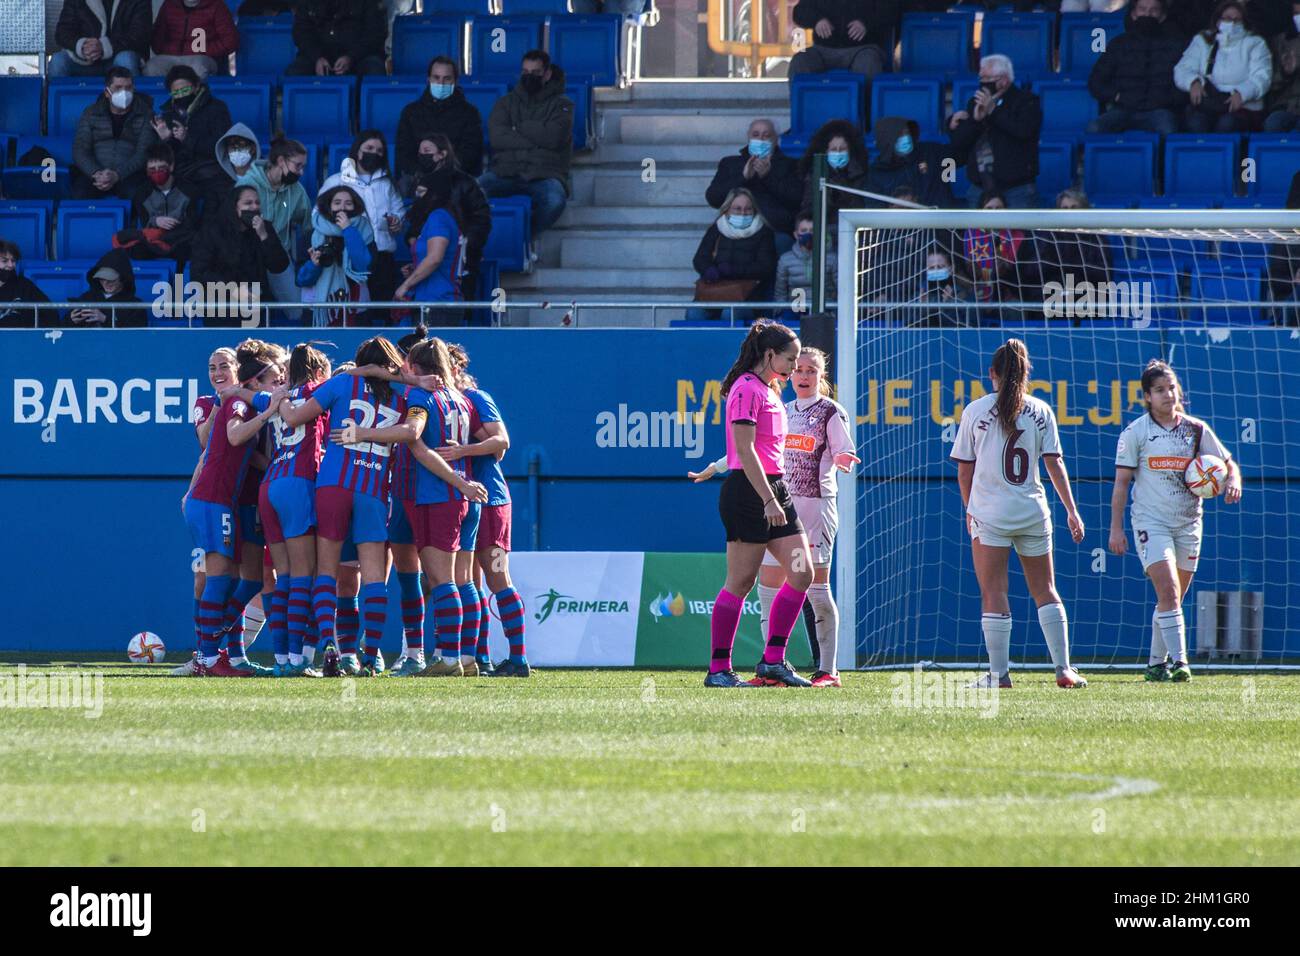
(120, 261)
(455, 117)
(1137, 70)
(334, 28)
(1242, 65)
(921, 170)
(777, 194)
(1012, 129)
(738, 254)
(173, 30)
(94, 147)
(532, 136)
(220, 150)
(227, 251)
(463, 190)
(85, 19)
(283, 206)
(378, 194)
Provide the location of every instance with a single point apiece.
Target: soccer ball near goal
(146, 648)
(1206, 476)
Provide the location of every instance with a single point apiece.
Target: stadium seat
(1164, 292)
(1079, 37)
(1024, 37)
(1165, 202)
(83, 228)
(1276, 159)
(587, 46)
(1067, 105)
(1119, 167)
(148, 273)
(937, 42)
(919, 98)
(265, 45)
(384, 97)
(508, 241)
(61, 281)
(484, 95)
(153, 87)
(1161, 254)
(498, 55)
(251, 99)
(1055, 166)
(311, 171)
(1210, 286)
(514, 8)
(581, 94)
(26, 223)
(318, 104)
(20, 104)
(33, 182)
(816, 98)
(418, 39)
(66, 100)
(335, 153)
(60, 147)
(1200, 167)
(477, 8)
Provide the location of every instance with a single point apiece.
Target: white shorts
(1032, 542)
(821, 519)
(1180, 545)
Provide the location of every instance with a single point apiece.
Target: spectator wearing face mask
(1283, 103)
(1134, 78)
(943, 297)
(1226, 72)
(441, 108)
(194, 33)
(904, 161)
(192, 121)
(795, 268)
(997, 134)
(16, 288)
(110, 281)
(769, 174)
(337, 269)
(847, 162)
(236, 245)
(738, 246)
(283, 203)
(112, 136)
(454, 188)
(94, 35)
(163, 213)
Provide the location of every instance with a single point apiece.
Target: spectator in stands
(110, 281)
(164, 215)
(266, 8)
(453, 187)
(338, 262)
(999, 264)
(1134, 77)
(1065, 254)
(905, 161)
(441, 108)
(237, 245)
(531, 131)
(339, 38)
(770, 175)
(900, 276)
(199, 34)
(1225, 71)
(629, 8)
(1283, 266)
(94, 35)
(435, 235)
(795, 268)
(847, 35)
(943, 298)
(1283, 114)
(192, 121)
(282, 202)
(365, 171)
(16, 288)
(112, 136)
(738, 251)
(846, 157)
(997, 133)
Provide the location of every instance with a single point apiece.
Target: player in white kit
(999, 441)
(819, 442)
(1153, 453)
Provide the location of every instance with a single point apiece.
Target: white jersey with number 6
(1006, 492)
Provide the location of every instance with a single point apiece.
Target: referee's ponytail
(1011, 366)
(762, 338)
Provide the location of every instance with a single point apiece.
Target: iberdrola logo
(665, 605)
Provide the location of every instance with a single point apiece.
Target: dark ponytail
(1011, 365)
(306, 362)
(379, 351)
(762, 336)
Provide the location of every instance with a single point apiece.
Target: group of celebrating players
(315, 482)
(778, 507)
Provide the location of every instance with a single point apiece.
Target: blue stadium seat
(318, 104)
(30, 182)
(489, 278)
(418, 39)
(149, 272)
(83, 228)
(153, 87)
(20, 104)
(1079, 36)
(251, 99)
(60, 147)
(1067, 105)
(583, 123)
(1025, 37)
(1200, 167)
(587, 46)
(1119, 167)
(514, 8)
(1164, 292)
(384, 97)
(507, 244)
(1055, 166)
(1243, 256)
(335, 153)
(1210, 286)
(61, 281)
(1276, 160)
(794, 144)
(1165, 202)
(937, 42)
(312, 176)
(477, 8)
(1159, 254)
(26, 223)
(490, 58)
(265, 45)
(66, 100)
(816, 98)
(919, 98)
(484, 95)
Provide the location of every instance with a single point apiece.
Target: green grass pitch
(623, 767)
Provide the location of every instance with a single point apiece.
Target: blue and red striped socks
(445, 599)
(324, 605)
(198, 631)
(471, 610)
(277, 618)
(244, 591)
(374, 608)
(511, 608)
(481, 650)
(412, 589)
(349, 623)
(298, 616)
(212, 610)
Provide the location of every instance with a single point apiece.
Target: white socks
(1158, 652)
(1174, 631)
(254, 618)
(1051, 618)
(997, 638)
(827, 616)
(766, 596)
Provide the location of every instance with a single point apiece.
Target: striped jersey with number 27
(361, 467)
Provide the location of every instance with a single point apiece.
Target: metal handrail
(756, 49)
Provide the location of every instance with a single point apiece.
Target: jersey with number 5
(298, 450)
(449, 423)
(1006, 492)
(361, 467)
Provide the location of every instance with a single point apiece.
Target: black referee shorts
(742, 510)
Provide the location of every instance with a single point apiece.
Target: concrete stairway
(623, 237)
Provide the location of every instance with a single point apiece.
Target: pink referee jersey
(751, 400)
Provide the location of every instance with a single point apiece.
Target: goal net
(925, 297)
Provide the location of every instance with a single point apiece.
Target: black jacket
(131, 29)
(119, 260)
(1013, 129)
(750, 258)
(206, 119)
(456, 187)
(334, 28)
(853, 176)
(878, 16)
(21, 289)
(94, 147)
(778, 193)
(920, 171)
(1071, 253)
(1137, 71)
(226, 251)
(455, 117)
